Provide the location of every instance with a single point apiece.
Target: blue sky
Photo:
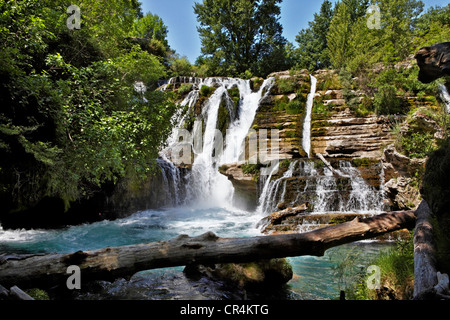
(179, 17)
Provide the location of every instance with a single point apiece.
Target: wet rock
(245, 185)
(273, 273)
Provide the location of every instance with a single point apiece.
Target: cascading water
(206, 186)
(271, 196)
(342, 190)
(445, 96)
(239, 130)
(307, 123)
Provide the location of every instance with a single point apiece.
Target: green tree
(433, 27)
(338, 36)
(312, 42)
(71, 119)
(346, 31)
(240, 36)
(152, 26)
(180, 66)
(398, 21)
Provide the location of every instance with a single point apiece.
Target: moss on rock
(273, 273)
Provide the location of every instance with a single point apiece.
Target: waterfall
(322, 189)
(307, 123)
(348, 192)
(265, 191)
(204, 184)
(171, 182)
(445, 96)
(304, 181)
(239, 130)
(272, 194)
(362, 197)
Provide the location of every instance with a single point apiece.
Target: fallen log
(111, 263)
(425, 273)
(277, 217)
(326, 163)
(428, 282)
(17, 294)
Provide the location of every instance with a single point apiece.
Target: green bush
(246, 75)
(397, 274)
(235, 95)
(251, 168)
(38, 294)
(294, 107)
(206, 91)
(418, 145)
(285, 86)
(319, 107)
(185, 88)
(386, 101)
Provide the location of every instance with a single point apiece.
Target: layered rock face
(345, 137)
(337, 131)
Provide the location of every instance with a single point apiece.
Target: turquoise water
(315, 277)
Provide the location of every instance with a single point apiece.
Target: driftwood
(111, 263)
(279, 216)
(327, 164)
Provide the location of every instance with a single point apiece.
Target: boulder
(401, 194)
(399, 172)
(434, 62)
(245, 185)
(272, 273)
(396, 164)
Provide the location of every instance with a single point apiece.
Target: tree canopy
(239, 36)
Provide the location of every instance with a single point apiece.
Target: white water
(270, 198)
(239, 130)
(307, 123)
(445, 96)
(324, 191)
(205, 185)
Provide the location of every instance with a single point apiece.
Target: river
(314, 277)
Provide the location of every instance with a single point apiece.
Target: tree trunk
(110, 263)
(425, 273)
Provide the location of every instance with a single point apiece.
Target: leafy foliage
(72, 120)
(312, 42)
(240, 36)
